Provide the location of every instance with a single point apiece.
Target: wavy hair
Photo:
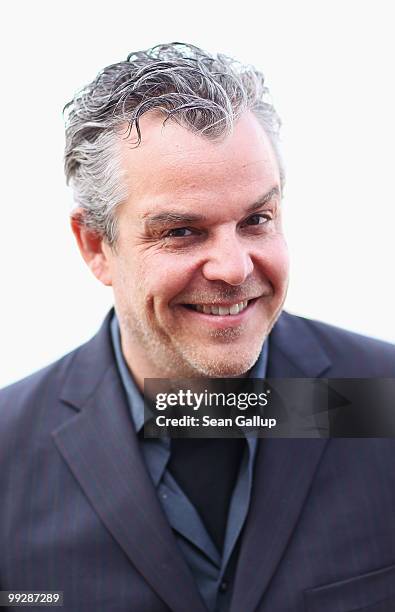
(204, 93)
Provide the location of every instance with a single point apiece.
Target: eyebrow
(275, 192)
(171, 217)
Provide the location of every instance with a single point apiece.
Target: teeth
(221, 310)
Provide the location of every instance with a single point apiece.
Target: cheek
(274, 261)
(164, 276)
(127, 280)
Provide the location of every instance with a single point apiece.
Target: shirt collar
(135, 398)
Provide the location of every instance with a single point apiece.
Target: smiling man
(173, 157)
(200, 261)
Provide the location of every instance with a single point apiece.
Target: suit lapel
(99, 445)
(283, 474)
(284, 470)
(294, 350)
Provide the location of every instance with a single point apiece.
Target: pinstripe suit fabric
(80, 514)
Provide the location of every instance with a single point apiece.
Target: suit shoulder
(40, 377)
(335, 335)
(33, 401)
(373, 357)
(34, 390)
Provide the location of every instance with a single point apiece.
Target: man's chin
(220, 366)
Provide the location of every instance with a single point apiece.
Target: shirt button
(224, 586)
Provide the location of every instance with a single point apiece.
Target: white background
(330, 66)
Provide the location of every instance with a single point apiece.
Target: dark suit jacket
(78, 512)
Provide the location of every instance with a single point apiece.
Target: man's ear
(93, 248)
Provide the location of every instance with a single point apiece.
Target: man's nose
(228, 260)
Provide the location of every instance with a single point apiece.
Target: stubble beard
(178, 358)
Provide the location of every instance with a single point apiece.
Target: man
(174, 161)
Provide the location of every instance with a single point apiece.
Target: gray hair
(204, 93)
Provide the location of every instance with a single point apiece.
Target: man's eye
(257, 220)
(179, 232)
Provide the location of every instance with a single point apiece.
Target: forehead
(174, 165)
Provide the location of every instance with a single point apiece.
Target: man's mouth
(220, 309)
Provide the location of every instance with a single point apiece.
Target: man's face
(200, 237)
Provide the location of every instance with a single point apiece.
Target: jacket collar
(295, 350)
